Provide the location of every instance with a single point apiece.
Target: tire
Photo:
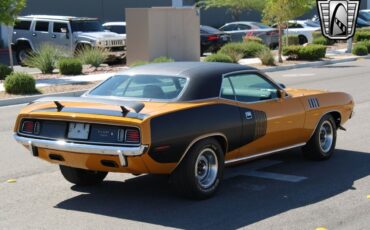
(193, 179)
(321, 146)
(82, 177)
(302, 39)
(22, 51)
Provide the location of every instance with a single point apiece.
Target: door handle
(34, 34)
(54, 36)
(248, 115)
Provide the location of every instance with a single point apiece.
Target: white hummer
(71, 33)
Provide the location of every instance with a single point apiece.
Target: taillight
(27, 127)
(213, 37)
(132, 136)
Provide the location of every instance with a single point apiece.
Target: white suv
(71, 33)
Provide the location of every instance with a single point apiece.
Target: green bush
(366, 44)
(360, 50)
(253, 39)
(266, 57)
(45, 59)
(162, 60)
(310, 52)
(242, 50)
(318, 39)
(219, 57)
(139, 63)
(20, 83)
(292, 40)
(94, 56)
(363, 35)
(70, 66)
(4, 71)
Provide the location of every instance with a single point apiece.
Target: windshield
(365, 15)
(144, 87)
(260, 25)
(86, 26)
(312, 24)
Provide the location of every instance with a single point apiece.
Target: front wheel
(22, 52)
(200, 173)
(81, 176)
(321, 146)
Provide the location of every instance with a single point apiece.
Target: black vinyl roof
(205, 78)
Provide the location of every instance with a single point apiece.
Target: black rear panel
(177, 130)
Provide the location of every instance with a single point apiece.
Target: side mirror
(282, 94)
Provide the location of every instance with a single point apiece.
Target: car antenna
(59, 106)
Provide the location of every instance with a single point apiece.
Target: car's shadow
(241, 201)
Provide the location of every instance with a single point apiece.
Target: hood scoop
(128, 108)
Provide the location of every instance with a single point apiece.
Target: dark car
(364, 15)
(212, 39)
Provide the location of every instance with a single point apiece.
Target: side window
(229, 28)
(22, 25)
(253, 88)
(243, 27)
(60, 27)
(42, 26)
(227, 91)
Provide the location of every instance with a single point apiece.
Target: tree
(281, 11)
(236, 7)
(9, 10)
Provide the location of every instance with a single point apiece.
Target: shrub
(242, 50)
(266, 57)
(321, 40)
(45, 59)
(219, 57)
(162, 60)
(310, 52)
(20, 83)
(70, 66)
(253, 39)
(93, 56)
(139, 63)
(366, 44)
(360, 50)
(363, 35)
(292, 40)
(4, 71)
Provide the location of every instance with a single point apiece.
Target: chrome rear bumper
(61, 145)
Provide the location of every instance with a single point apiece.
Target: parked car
(212, 39)
(116, 27)
(238, 30)
(364, 15)
(71, 33)
(303, 28)
(361, 23)
(185, 119)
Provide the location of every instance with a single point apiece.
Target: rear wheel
(302, 39)
(22, 52)
(200, 173)
(321, 146)
(81, 176)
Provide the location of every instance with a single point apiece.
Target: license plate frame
(78, 131)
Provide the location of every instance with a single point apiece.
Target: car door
(270, 121)
(40, 33)
(61, 36)
(233, 31)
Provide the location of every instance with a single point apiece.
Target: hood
(303, 92)
(100, 35)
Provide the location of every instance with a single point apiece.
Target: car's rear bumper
(119, 152)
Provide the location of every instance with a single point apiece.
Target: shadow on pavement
(241, 200)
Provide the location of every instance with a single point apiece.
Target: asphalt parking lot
(283, 191)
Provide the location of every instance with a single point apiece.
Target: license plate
(78, 131)
(224, 38)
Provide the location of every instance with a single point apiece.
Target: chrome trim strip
(258, 155)
(62, 145)
(201, 138)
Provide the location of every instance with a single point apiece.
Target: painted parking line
(255, 169)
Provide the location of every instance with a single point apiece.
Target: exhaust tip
(110, 164)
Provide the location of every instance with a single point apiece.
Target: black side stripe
(261, 124)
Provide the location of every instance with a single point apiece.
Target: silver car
(238, 30)
(70, 33)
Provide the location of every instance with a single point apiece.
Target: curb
(312, 64)
(28, 99)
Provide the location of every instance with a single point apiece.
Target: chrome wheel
(206, 168)
(23, 54)
(326, 136)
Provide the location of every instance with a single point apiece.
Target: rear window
(60, 27)
(145, 87)
(22, 25)
(260, 25)
(42, 26)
